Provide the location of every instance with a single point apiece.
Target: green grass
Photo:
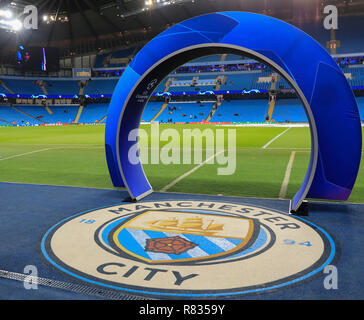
(259, 173)
(74, 156)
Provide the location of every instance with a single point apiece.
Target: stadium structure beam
(330, 105)
(92, 29)
(54, 24)
(163, 15)
(102, 16)
(70, 20)
(186, 11)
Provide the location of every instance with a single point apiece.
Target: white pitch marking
(297, 149)
(24, 154)
(170, 185)
(283, 192)
(275, 138)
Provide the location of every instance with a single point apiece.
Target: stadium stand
(37, 115)
(33, 87)
(100, 86)
(21, 86)
(246, 80)
(11, 116)
(189, 83)
(93, 112)
(241, 111)
(360, 101)
(61, 114)
(60, 87)
(178, 111)
(286, 110)
(150, 110)
(218, 72)
(115, 59)
(239, 81)
(355, 76)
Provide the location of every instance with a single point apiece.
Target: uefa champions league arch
(329, 102)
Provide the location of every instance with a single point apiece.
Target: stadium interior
(63, 74)
(57, 78)
(79, 91)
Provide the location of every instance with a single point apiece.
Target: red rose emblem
(169, 245)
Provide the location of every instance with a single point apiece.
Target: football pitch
(271, 162)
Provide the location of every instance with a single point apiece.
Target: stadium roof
(81, 26)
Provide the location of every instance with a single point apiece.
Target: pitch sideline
(275, 138)
(283, 191)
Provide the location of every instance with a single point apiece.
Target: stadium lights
(6, 21)
(53, 18)
(6, 13)
(13, 25)
(149, 3)
(16, 25)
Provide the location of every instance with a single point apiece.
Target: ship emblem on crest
(190, 225)
(182, 237)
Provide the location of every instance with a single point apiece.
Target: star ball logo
(188, 249)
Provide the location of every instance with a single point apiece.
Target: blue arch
(322, 87)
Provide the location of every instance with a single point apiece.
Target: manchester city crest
(171, 237)
(188, 249)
